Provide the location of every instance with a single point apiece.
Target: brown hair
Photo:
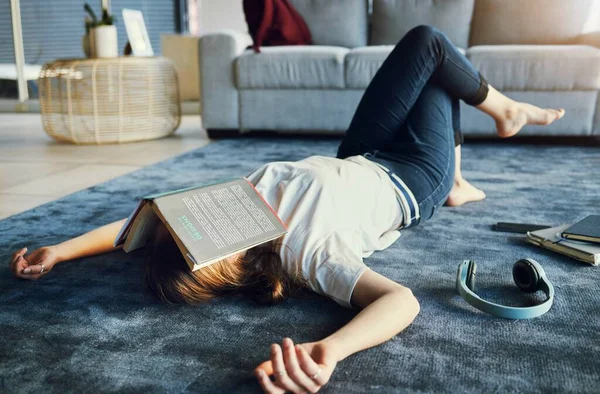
(259, 274)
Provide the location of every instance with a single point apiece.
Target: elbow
(414, 304)
(410, 303)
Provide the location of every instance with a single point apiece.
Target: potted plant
(101, 33)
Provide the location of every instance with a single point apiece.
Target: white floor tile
(18, 172)
(70, 181)
(35, 169)
(11, 204)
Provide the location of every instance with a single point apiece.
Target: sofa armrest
(219, 95)
(591, 38)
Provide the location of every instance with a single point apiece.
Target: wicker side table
(103, 101)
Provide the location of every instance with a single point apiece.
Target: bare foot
(463, 192)
(521, 114)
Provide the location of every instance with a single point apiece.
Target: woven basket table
(103, 101)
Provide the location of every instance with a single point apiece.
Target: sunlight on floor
(34, 169)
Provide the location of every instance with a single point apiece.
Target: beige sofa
(546, 52)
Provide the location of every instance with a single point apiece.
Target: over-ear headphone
(529, 276)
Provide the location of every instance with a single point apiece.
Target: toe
(555, 114)
(546, 117)
(477, 194)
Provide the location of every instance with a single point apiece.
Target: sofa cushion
(363, 63)
(287, 67)
(497, 22)
(393, 18)
(538, 67)
(335, 22)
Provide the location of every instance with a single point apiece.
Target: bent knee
(424, 32)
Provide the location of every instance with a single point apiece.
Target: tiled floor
(34, 169)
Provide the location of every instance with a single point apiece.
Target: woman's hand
(297, 369)
(35, 264)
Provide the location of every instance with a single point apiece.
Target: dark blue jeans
(408, 119)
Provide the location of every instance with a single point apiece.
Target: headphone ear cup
(471, 270)
(526, 276)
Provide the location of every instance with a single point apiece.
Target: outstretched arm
(41, 261)
(386, 302)
(97, 241)
(388, 308)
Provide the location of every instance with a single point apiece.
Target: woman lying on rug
(399, 162)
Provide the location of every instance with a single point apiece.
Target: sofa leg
(216, 134)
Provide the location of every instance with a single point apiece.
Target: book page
(122, 235)
(141, 229)
(220, 219)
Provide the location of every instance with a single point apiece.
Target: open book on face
(208, 223)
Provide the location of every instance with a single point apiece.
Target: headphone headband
(508, 312)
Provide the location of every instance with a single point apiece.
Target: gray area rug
(90, 326)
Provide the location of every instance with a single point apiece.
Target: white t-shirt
(337, 212)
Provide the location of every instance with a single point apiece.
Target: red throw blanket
(275, 22)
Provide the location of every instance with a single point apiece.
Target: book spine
(159, 195)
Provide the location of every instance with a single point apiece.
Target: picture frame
(137, 33)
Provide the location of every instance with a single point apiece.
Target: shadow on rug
(90, 326)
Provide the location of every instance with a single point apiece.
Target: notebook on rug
(208, 223)
(587, 230)
(552, 239)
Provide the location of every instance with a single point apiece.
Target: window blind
(53, 30)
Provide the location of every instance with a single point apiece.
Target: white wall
(221, 14)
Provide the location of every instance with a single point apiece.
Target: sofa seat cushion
(363, 63)
(291, 67)
(538, 67)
